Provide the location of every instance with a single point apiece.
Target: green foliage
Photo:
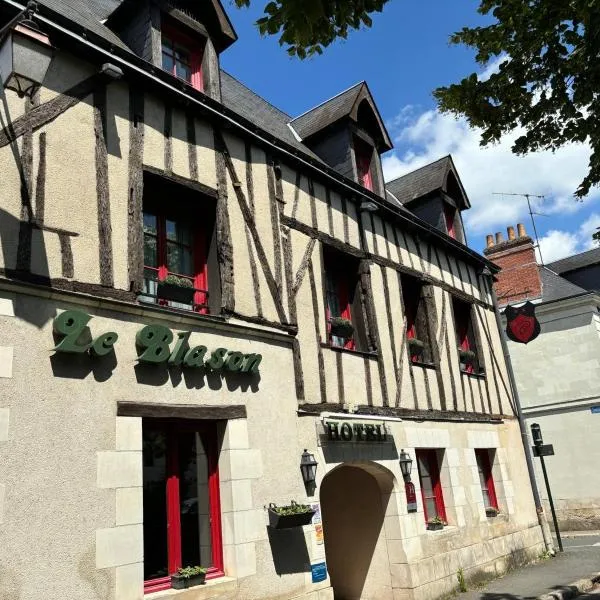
(341, 327)
(436, 521)
(548, 83)
(305, 27)
(183, 282)
(187, 572)
(292, 509)
(462, 584)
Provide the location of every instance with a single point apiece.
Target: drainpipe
(548, 541)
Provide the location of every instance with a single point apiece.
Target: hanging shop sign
(355, 431)
(318, 572)
(153, 344)
(411, 496)
(521, 323)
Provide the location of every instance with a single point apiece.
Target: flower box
(416, 346)
(176, 289)
(467, 357)
(294, 515)
(436, 524)
(188, 577)
(341, 327)
(491, 511)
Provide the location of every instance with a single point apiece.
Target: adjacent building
(558, 374)
(198, 293)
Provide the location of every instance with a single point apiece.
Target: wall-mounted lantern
(405, 464)
(308, 467)
(536, 434)
(25, 54)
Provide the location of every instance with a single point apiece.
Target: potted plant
(177, 289)
(341, 327)
(492, 511)
(293, 515)
(188, 577)
(467, 357)
(416, 346)
(435, 524)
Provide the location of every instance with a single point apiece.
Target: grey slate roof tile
(421, 182)
(326, 113)
(577, 261)
(555, 287)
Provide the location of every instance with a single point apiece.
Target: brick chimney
(519, 278)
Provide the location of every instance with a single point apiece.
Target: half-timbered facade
(195, 288)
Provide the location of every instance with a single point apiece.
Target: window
(182, 55)
(450, 217)
(465, 336)
(342, 299)
(182, 519)
(484, 466)
(431, 487)
(177, 247)
(364, 157)
(417, 329)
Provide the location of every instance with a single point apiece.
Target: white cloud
(487, 170)
(557, 244)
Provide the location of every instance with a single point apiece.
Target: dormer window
(450, 217)
(182, 56)
(364, 158)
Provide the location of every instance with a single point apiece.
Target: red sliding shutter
(486, 478)
(431, 487)
(450, 214)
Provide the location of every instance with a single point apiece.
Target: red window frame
(411, 294)
(484, 466)
(450, 216)
(429, 456)
(194, 49)
(464, 326)
(364, 158)
(199, 256)
(171, 427)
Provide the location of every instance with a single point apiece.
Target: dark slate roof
(555, 287)
(251, 106)
(336, 108)
(421, 182)
(577, 261)
(328, 112)
(88, 15)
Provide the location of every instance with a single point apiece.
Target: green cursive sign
(153, 343)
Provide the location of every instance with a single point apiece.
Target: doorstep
(213, 588)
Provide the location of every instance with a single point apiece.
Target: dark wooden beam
(181, 411)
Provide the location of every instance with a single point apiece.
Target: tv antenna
(531, 214)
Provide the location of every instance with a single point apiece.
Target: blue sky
(403, 57)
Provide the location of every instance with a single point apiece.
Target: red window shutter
(344, 300)
(429, 457)
(462, 315)
(483, 457)
(450, 213)
(364, 154)
(173, 505)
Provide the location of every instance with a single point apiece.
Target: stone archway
(354, 502)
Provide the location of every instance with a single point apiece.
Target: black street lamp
(405, 464)
(308, 467)
(25, 54)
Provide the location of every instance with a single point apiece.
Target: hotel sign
(355, 431)
(153, 344)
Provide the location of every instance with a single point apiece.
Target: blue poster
(319, 572)
(595, 410)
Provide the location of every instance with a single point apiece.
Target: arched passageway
(354, 501)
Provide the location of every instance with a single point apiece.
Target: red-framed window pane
(182, 513)
(486, 479)
(431, 487)
(450, 217)
(340, 281)
(416, 316)
(465, 334)
(172, 246)
(364, 157)
(182, 55)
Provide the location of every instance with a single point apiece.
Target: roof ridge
(363, 82)
(256, 94)
(419, 168)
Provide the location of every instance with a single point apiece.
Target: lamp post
(308, 467)
(25, 53)
(405, 464)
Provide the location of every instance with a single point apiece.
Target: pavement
(580, 560)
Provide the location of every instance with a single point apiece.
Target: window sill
(219, 585)
(424, 365)
(448, 529)
(348, 351)
(474, 375)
